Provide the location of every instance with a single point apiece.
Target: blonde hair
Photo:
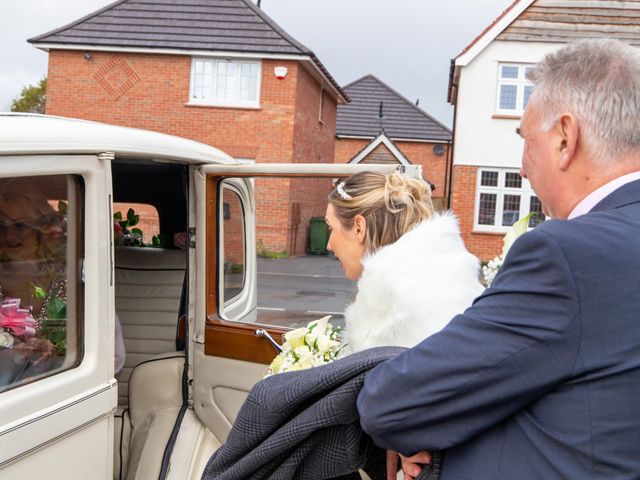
(390, 204)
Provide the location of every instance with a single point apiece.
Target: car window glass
(298, 279)
(41, 291)
(233, 235)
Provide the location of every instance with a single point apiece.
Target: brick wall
(156, 99)
(484, 245)
(272, 217)
(313, 141)
(152, 92)
(418, 153)
(233, 227)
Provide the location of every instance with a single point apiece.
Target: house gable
(381, 150)
(563, 21)
(552, 21)
(492, 31)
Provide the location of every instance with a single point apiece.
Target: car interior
(150, 298)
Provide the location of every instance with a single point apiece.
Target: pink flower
(17, 319)
(117, 230)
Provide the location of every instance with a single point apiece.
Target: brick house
(489, 90)
(379, 125)
(217, 71)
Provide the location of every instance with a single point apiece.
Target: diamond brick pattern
(116, 77)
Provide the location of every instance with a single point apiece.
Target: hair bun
(402, 191)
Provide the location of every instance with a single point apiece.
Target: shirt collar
(587, 203)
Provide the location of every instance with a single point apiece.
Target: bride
(414, 273)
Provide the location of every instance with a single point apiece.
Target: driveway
(293, 291)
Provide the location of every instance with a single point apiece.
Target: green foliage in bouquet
(127, 235)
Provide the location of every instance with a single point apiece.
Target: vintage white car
(189, 321)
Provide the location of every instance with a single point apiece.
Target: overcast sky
(406, 43)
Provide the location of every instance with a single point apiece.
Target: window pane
(509, 72)
(487, 209)
(511, 210)
(512, 180)
(226, 80)
(233, 236)
(298, 279)
(508, 97)
(489, 179)
(528, 90)
(203, 79)
(249, 82)
(535, 206)
(40, 239)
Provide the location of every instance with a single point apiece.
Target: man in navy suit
(540, 377)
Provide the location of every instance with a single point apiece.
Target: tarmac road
(293, 291)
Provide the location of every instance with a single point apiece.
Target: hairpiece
(344, 195)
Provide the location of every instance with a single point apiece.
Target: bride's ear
(360, 228)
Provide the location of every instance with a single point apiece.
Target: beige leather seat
(148, 287)
(155, 399)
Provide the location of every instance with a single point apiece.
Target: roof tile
(211, 25)
(401, 118)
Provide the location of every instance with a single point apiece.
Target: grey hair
(599, 82)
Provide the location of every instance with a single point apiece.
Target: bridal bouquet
(311, 346)
(493, 266)
(14, 321)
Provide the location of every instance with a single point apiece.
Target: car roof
(22, 134)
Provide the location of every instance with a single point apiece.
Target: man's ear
(360, 227)
(568, 131)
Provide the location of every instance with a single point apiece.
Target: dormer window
(513, 88)
(225, 82)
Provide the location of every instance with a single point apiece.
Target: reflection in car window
(294, 282)
(40, 245)
(233, 236)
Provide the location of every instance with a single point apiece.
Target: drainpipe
(449, 174)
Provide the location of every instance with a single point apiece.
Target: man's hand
(411, 466)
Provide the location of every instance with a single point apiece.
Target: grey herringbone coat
(302, 424)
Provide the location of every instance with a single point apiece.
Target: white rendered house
(489, 90)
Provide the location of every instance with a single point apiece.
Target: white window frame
(244, 302)
(234, 103)
(520, 83)
(525, 192)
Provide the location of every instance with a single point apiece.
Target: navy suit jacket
(540, 377)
